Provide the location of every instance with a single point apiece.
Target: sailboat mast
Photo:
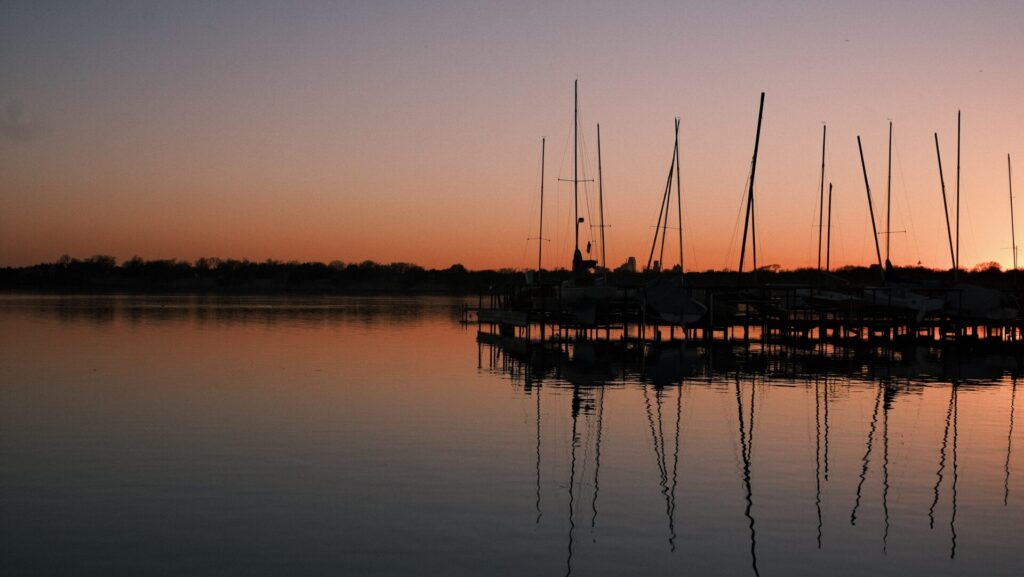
(945, 203)
(871, 208)
(575, 160)
(888, 202)
(679, 199)
(750, 193)
(540, 229)
(821, 193)
(956, 267)
(1013, 233)
(600, 197)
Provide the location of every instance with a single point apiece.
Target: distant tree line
(102, 273)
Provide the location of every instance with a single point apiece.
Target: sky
(411, 131)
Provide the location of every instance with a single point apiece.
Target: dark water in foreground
(185, 436)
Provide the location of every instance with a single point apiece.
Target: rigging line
(590, 215)
(560, 240)
(538, 178)
(657, 227)
(668, 207)
(584, 161)
(906, 202)
(668, 202)
(522, 259)
(867, 456)
(970, 225)
(584, 156)
(661, 212)
(688, 236)
(736, 226)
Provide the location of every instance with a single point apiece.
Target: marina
(656, 304)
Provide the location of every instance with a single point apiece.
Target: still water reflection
(376, 436)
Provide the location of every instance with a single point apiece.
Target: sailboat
(820, 298)
(890, 295)
(665, 296)
(968, 301)
(586, 291)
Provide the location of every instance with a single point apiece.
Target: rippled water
(377, 436)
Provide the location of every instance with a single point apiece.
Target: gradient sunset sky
(410, 131)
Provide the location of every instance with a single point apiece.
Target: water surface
(377, 436)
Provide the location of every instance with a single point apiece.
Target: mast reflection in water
(886, 395)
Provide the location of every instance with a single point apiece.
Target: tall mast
(540, 230)
(600, 193)
(1013, 234)
(821, 193)
(828, 241)
(679, 199)
(748, 221)
(945, 204)
(888, 202)
(871, 208)
(956, 267)
(575, 159)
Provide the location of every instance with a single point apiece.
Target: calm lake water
(376, 436)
